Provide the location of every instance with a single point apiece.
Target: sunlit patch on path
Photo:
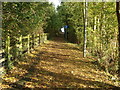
(56, 64)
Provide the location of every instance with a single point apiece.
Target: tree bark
(85, 30)
(118, 18)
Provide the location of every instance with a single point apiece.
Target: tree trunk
(118, 18)
(85, 29)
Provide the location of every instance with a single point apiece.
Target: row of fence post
(22, 45)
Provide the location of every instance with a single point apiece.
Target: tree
(22, 19)
(118, 18)
(71, 14)
(101, 30)
(85, 29)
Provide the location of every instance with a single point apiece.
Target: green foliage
(72, 15)
(25, 17)
(102, 33)
(22, 19)
(101, 29)
(54, 24)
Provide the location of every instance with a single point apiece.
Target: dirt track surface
(56, 64)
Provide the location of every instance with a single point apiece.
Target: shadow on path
(39, 74)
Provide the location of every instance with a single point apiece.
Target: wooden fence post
(39, 38)
(42, 38)
(45, 36)
(8, 55)
(2, 59)
(33, 41)
(20, 47)
(28, 44)
(17, 48)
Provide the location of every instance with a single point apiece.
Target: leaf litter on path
(56, 64)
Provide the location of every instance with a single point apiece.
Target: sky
(55, 2)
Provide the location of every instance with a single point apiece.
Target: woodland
(36, 54)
